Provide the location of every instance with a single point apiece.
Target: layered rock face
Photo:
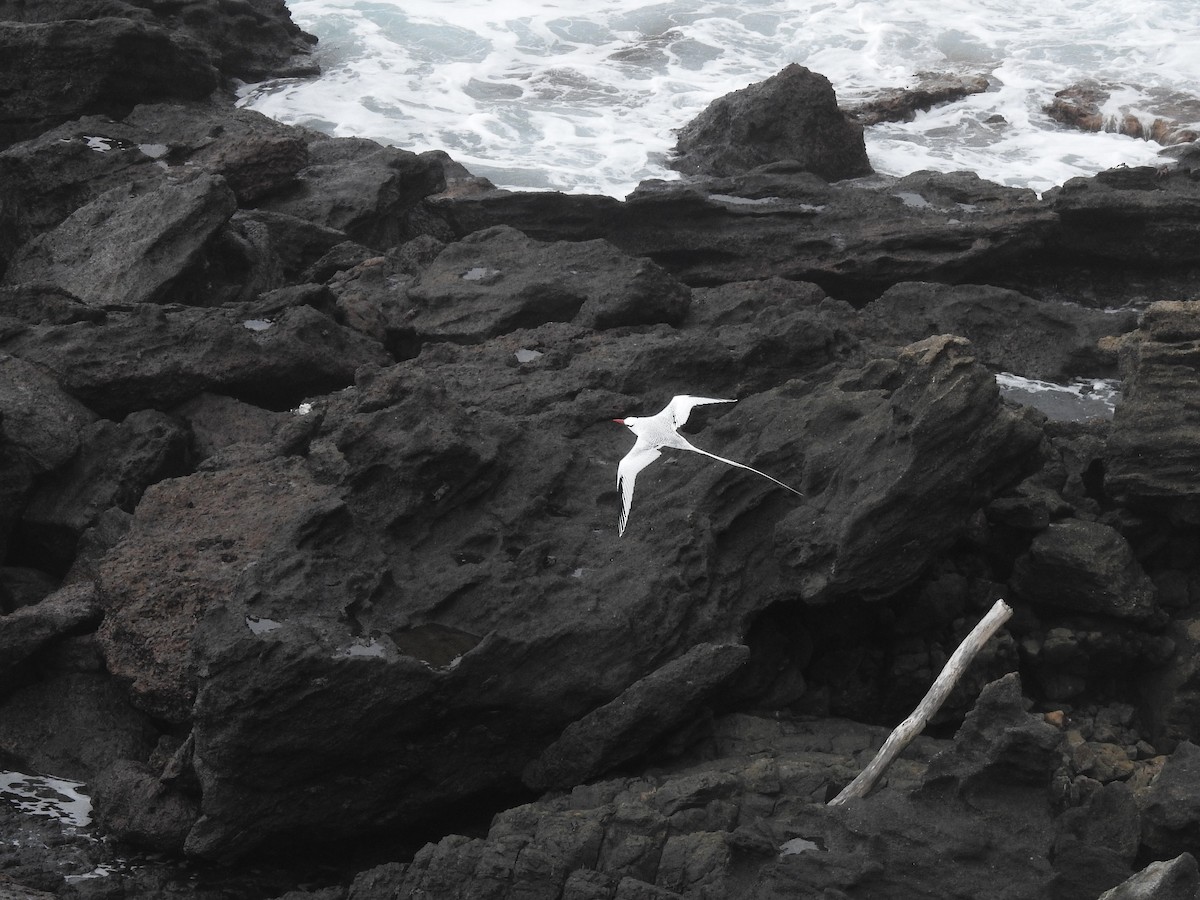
(308, 513)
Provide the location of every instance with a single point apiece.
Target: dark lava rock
(616, 732)
(360, 188)
(791, 116)
(1171, 807)
(1153, 453)
(1082, 106)
(498, 280)
(159, 356)
(999, 741)
(1173, 879)
(902, 104)
(1087, 567)
(139, 809)
(125, 248)
(1140, 215)
(853, 238)
(27, 629)
(1010, 332)
(57, 70)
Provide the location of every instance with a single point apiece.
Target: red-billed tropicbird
(662, 430)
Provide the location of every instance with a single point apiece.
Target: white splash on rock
(259, 625)
(480, 273)
(797, 845)
(43, 795)
(303, 409)
(371, 648)
(97, 143)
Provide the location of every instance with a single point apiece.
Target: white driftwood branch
(903, 733)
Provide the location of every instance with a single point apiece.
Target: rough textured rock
(149, 619)
(1171, 807)
(139, 809)
(27, 629)
(93, 66)
(124, 249)
(791, 116)
(1009, 331)
(1172, 879)
(854, 239)
(73, 722)
(273, 354)
(925, 396)
(1087, 567)
(616, 733)
(360, 188)
(1085, 106)
(350, 517)
(1154, 450)
(1130, 215)
(902, 104)
(114, 465)
(498, 280)
(41, 424)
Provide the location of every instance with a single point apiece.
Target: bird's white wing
(681, 407)
(635, 460)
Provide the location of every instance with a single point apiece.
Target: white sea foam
(43, 795)
(537, 94)
(1082, 399)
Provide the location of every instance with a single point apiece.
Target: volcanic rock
(902, 104)
(26, 630)
(1008, 331)
(498, 280)
(1173, 879)
(91, 66)
(1141, 215)
(159, 356)
(41, 423)
(1084, 106)
(854, 239)
(1171, 807)
(139, 809)
(1153, 453)
(1087, 567)
(125, 248)
(614, 733)
(791, 116)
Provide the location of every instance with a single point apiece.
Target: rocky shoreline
(311, 570)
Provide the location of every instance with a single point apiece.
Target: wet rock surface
(310, 569)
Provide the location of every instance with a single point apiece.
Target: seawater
(586, 97)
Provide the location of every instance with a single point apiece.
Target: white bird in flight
(662, 430)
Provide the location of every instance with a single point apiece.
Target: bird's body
(662, 430)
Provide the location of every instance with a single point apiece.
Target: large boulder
(792, 116)
(440, 546)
